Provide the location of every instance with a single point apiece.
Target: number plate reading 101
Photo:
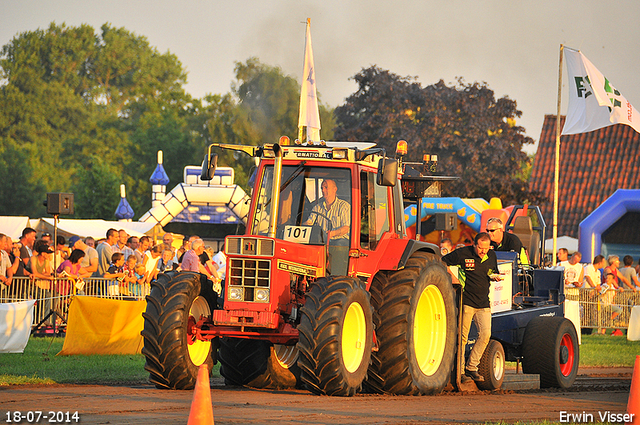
(299, 234)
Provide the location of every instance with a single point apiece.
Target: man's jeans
(483, 323)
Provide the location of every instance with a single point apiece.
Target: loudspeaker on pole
(59, 203)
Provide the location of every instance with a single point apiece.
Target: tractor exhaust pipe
(275, 190)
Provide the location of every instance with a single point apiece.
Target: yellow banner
(102, 326)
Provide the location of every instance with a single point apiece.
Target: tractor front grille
(250, 246)
(249, 280)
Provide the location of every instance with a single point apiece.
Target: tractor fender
(407, 247)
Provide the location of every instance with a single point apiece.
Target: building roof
(593, 165)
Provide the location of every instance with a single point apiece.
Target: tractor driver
(504, 241)
(338, 211)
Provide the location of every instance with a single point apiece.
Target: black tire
(172, 353)
(491, 366)
(413, 360)
(258, 364)
(550, 349)
(374, 383)
(336, 334)
(282, 369)
(242, 360)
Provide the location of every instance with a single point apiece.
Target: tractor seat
(530, 239)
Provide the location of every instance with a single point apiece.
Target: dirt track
(147, 405)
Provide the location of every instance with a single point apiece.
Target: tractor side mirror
(387, 172)
(209, 165)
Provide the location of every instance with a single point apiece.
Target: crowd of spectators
(604, 276)
(129, 263)
(594, 274)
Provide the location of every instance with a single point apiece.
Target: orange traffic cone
(201, 412)
(633, 407)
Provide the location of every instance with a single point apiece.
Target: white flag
(309, 116)
(593, 101)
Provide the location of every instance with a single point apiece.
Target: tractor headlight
(262, 295)
(340, 153)
(235, 294)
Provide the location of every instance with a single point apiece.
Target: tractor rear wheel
(491, 366)
(416, 328)
(257, 364)
(282, 369)
(172, 351)
(550, 349)
(336, 336)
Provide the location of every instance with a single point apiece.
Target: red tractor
(308, 301)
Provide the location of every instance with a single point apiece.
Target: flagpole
(556, 176)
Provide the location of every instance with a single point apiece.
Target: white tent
(97, 229)
(562, 242)
(13, 226)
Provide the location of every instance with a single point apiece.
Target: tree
(70, 96)
(78, 104)
(17, 186)
(271, 100)
(473, 134)
(262, 106)
(97, 192)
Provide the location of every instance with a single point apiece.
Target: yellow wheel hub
(430, 330)
(198, 350)
(286, 355)
(354, 337)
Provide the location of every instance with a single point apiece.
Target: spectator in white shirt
(592, 273)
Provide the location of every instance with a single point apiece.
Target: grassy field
(607, 350)
(40, 365)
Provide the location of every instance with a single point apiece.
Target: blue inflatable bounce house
(613, 228)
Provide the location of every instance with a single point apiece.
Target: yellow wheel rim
(286, 355)
(354, 336)
(430, 330)
(198, 350)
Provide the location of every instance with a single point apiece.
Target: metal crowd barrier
(55, 296)
(599, 310)
(596, 310)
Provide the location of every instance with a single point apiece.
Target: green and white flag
(593, 101)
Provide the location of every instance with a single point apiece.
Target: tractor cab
(314, 205)
(335, 195)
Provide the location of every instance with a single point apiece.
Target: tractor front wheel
(172, 350)
(336, 336)
(415, 328)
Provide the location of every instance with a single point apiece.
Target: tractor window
(300, 192)
(263, 204)
(374, 216)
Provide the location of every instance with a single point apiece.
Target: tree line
(84, 111)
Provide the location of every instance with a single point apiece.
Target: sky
(512, 45)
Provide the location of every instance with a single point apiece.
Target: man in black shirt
(504, 241)
(478, 266)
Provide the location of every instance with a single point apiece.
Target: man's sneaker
(464, 379)
(473, 374)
